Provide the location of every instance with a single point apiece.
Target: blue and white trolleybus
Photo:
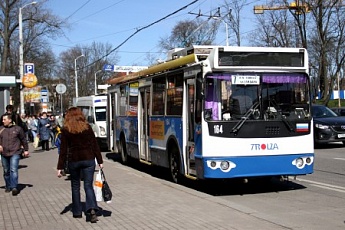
(217, 112)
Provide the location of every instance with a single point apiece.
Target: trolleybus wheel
(174, 165)
(123, 151)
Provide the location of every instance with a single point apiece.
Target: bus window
(174, 95)
(133, 99)
(212, 101)
(158, 96)
(123, 100)
(100, 113)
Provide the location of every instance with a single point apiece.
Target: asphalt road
(315, 201)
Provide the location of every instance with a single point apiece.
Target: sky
(114, 21)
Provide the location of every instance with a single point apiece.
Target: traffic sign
(29, 68)
(108, 67)
(60, 88)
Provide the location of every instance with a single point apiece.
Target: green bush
(332, 103)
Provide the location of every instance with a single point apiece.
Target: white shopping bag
(36, 142)
(97, 186)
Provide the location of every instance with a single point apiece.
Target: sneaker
(93, 216)
(7, 190)
(15, 192)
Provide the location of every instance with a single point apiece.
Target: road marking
(324, 185)
(342, 159)
(333, 189)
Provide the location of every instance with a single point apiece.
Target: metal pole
(96, 81)
(21, 62)
(76, 76)
(21, 53)
(227, 32)
(338, 79)
(61, 110)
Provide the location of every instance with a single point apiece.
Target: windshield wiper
(287, 123)
(245, 117)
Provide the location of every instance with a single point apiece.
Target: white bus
(217, 112)
(94, 109)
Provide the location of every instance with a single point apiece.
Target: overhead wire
(77, 10)
(140, 29)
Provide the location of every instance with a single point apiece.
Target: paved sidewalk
(140, 201)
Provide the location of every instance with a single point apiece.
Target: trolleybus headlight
(224, 165)
(309, 160)
(299, 163)
(213, 164)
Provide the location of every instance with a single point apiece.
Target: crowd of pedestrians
(16, 132)
(43, 126)
(70, 135)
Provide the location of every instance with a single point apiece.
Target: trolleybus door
(143, 113)
(110, 116)
(190, 126)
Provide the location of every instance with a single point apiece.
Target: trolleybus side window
(174, 94)
(123, 100)
(133, 99)
(158, 95)
(212, 101)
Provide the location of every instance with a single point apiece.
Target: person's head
(7, 119)
(75, 121)
(44, 115)
(9, 108)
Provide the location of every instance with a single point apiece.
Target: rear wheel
(175, 165)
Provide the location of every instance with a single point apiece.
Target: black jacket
(81, 146)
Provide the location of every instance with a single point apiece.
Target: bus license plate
(341, 135)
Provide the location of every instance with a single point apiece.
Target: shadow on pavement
(101, 211)
(217, 187)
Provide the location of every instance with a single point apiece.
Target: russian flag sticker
(302, 127)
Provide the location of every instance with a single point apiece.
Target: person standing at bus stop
(12, 139)
(79, 145)
(43, 131)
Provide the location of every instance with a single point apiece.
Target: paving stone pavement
(140, 201)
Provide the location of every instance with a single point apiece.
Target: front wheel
(175, 165)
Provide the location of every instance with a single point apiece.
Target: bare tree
(326, 44)
(190, 32)
(38, 23)
(275, 29)
(86, 73)
(233, 17)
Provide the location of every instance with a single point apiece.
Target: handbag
(106, 191)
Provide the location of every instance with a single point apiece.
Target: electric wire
(140, 29)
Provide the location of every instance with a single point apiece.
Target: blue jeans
(87, 168)
(10, 167)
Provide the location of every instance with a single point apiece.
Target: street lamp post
(96, 81)
(76, 76)
(21, 61)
